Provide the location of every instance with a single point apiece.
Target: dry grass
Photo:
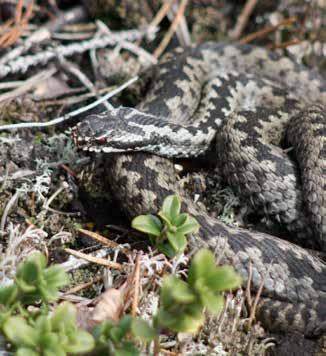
(40, 202)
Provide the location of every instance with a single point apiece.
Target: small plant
(39, 332)
(168, 232)
(119, 338)
(55, 334)
(183, 302)
(33, 282)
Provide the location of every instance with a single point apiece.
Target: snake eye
(101, 140)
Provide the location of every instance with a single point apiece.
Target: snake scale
(240, 102)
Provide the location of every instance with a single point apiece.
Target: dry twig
(257, 297)
(169, 34)
(135, 299)
(68, 116)
(248, 286)
(74, 263)
(13, 200)
(82, 286)
(103, 240)
(283, 45)
(23, 63)
(92, 259)
(45, 32)
(13, 33)
(162, 12)
(266, 30)
(74, 70)
(141, 53)
(28, 84)
(243, 18)
(182, 30)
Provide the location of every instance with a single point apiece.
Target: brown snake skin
(294, 292)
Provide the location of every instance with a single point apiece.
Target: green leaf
(177, 240)
(149, 224)
(57, 352)
(46, 293)
(51, 344)
(28, 272)
(174, 290)
(143, 330)
(56, 276)
(171, 207)
(166, 219)
(166, 297)
(212, 301)
(120, 330)
(167, 249)
(101, 332)
(19, 332)
(127, 349)
(125, 324)
(36, 282)
(27, 286)
(202, 263)
(189, 225)
(182, 322)
(8, 295)
(24, 351)
(43, 324)
(203, 271)
(81, 342)
(116, 334)
(64, 317)
(223, 278)
(38, 259)
(181, 219)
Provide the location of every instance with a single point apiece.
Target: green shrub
(168, 232)
(183, 302)
(55, 334)
(40, 332)
(119, 338)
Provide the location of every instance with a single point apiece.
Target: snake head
(107, 132)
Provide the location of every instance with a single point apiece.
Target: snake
(260, 116)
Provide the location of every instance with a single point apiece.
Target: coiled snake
(239, 99)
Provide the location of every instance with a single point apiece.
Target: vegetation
(50, 190)
(168, 231)
(182, 302)
(39, 332)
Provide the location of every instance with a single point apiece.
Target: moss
(84, 275)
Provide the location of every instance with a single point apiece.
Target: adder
(239, 104)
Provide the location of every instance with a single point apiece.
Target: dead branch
(243, 18)
(23, 63)
(167, 38)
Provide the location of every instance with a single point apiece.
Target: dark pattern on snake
(241, 99)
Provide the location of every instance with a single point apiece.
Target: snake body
(239, 99)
